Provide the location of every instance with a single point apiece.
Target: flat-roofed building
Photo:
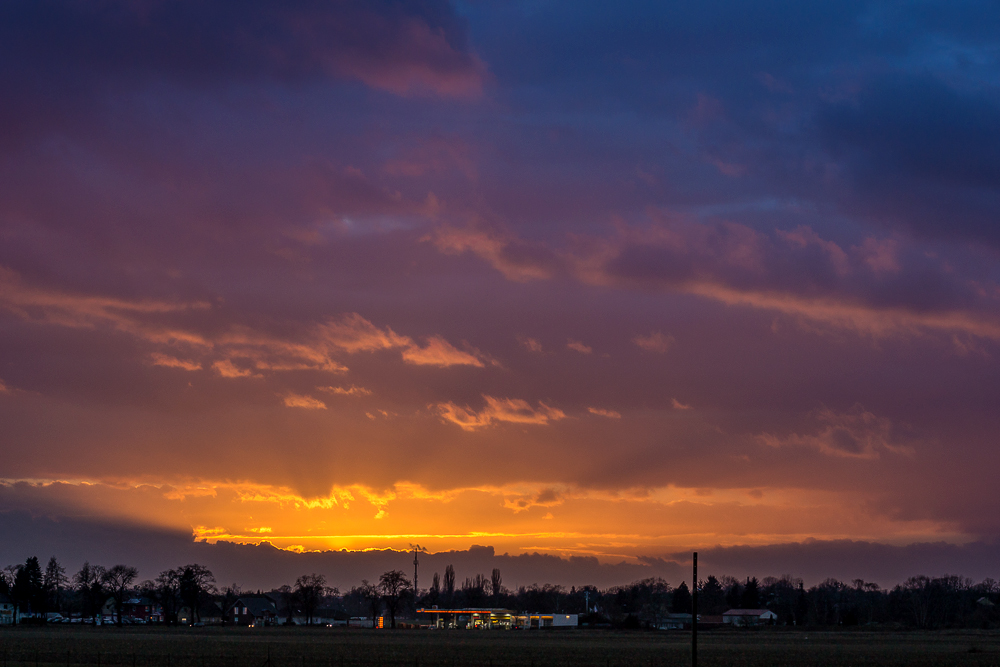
(485, 618)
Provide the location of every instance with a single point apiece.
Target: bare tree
(195, 582)
(372, 595)
(496, 586)
(230, 596)
(54, 582)
(288, 600)
(449, 584)
(167, 591)
(90, 583)
(393, 585)
(117, 581)
(310, 589)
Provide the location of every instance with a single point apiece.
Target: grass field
(327, 647)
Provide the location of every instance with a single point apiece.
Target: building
(255, 610)
(143, 610)
(748, 617)
(676, 622)
(330, 616)
(484, 618)
(6, 610)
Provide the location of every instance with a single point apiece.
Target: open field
(326, 647)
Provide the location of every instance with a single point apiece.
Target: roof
(258, 606)
(747, 612)
(467, 610)
(5, 599)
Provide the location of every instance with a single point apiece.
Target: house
(255, 610)
(675, 622)
(142, 610)
(6, 610)
(209, 613)
(748, 617)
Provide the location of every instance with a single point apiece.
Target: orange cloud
(439, 352)
(302, 401)
(530, 344)
(87, 312)
(856, 434)
(578, 346)
(315, 349)
(228, 369)
(677, 405)
(354, 333)
(654, 342)
(512, 410)
(846, 315)
(721, 249)
(498, 251)
(173, 362)
(611, 414)
(349, 391)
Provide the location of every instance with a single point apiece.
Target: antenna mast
(416, 548)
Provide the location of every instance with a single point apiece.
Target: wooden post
(694, 613)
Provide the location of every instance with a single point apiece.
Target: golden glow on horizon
(556, 519)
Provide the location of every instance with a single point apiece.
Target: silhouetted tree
(681, 603)
(54, 582)
(711, 597)
(734, 592)
(194, 583)
(449, 585)
(750, 599)
(117, 581)
(28, 590)
(434, 594)
(393, 585)
(309, 591)
(230, 595)
(496, 586)
(90, 585)
(7, 578)
(780, 596)
(373, 596)
(166, 590)
(474, 591)
(287, 595)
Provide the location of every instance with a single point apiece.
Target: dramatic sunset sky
(604, 280)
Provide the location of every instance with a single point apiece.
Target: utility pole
(694, 613)
(416, 591)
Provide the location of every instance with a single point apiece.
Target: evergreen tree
(28, 591)
(751, 594)
(734, 595)
(711, 598)
(682, 600)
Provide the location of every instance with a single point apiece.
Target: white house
(746, 617)
(6, 610)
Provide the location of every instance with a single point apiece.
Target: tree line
(919, 602)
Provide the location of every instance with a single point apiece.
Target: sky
(602, 282)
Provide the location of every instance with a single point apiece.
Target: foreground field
(325, 647)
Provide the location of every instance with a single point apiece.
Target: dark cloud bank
(264, 566)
